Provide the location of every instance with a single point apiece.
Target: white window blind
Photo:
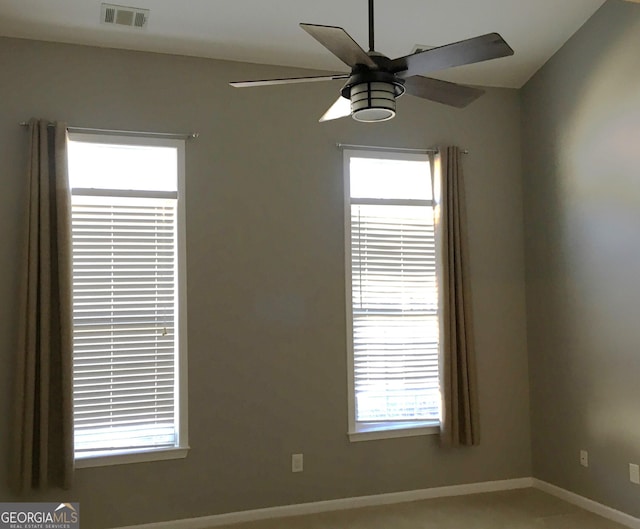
(124, 288)
(395, 313)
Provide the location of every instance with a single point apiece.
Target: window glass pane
(122, 167)
(391, 179)
(394, 293)
(127, 353)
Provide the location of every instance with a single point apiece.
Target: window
(129, 304)
(392, 295)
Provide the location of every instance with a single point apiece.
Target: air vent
(133, 17)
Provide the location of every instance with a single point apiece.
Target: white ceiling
(267, 32)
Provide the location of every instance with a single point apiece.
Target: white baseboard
(337, 505)
(588, 505)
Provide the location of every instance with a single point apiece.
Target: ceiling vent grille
(132, 17)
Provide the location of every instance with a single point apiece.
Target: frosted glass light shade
(373, 101)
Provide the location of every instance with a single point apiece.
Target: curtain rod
(393, 149)
(169, 135)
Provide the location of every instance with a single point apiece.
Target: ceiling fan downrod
(371, 29)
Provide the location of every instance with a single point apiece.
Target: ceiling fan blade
(340, 109)
(477, 49)
(290, 80)
(451, 94)
(340, 43)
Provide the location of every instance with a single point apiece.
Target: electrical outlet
(584, 458)
(296, 462)
(634, 473)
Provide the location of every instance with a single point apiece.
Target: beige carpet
(517, 509)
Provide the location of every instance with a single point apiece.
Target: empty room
(363, 264)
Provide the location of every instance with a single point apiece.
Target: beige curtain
(459, 418)
(43, 405)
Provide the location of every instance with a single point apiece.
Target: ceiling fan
(375, 81)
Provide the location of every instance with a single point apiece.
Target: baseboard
(337, 505)
(588, 505)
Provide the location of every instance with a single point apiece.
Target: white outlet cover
(584, 458)
(634, 473)
(296, 462)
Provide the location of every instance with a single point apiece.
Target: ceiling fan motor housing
(373, 95)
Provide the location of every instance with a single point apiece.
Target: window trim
(125, 458)
(374, 431)
(182, 410)
(369, 431)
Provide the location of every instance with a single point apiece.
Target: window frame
(361, 430)
(180, 450)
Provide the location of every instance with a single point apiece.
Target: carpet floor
(514, 509)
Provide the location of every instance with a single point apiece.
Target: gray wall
(267, 358)
(581, 127)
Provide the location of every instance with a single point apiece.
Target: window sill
(375, 431)
(125, 458)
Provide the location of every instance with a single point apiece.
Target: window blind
(124, 310)
(395, 312)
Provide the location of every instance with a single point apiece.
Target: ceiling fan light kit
(375, 81)
(373, 95)
(371, 102)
